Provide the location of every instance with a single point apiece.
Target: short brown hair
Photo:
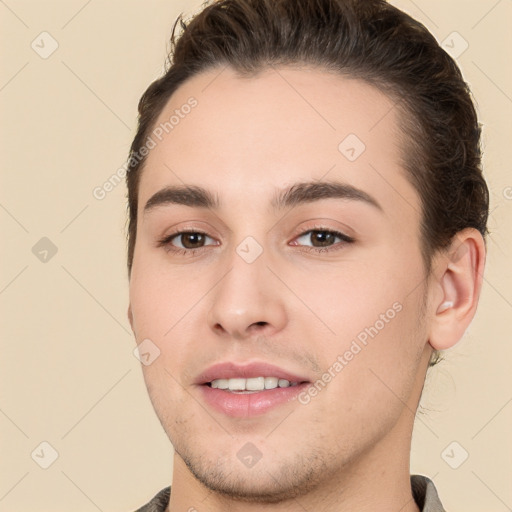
(370, 40)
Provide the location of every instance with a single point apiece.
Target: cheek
(351, 298)
(369, 379)
(167, 311)
(380, 354)
(376, 282)
(159, 300)
(369, 315)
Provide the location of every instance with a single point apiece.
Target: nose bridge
(246, 295)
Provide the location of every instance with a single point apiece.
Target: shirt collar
(423, 490)
(425, 494)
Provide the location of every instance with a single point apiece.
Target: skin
(348, 448)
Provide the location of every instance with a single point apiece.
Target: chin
(261, 488)
(264, 483)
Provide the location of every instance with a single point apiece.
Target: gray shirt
(423, 491)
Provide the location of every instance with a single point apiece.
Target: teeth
(254, 384)
(236, 384)
(251, 384)
(220, 383)
(271, 382)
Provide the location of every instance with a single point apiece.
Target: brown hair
(370, 40)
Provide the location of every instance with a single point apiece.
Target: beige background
(68, 374)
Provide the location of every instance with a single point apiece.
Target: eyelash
(166, 241)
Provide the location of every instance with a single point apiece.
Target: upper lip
(231, 370)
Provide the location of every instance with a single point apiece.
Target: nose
(247, 301)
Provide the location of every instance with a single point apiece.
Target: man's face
(327, 287)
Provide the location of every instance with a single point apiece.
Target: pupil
(323, 238)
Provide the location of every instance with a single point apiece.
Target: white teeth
(271, 382)
(251, 384)
(236, 384)
(220, 383)
(255, 384)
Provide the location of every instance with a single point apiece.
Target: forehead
(235, 135)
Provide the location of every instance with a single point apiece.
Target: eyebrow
(297, 194)
(187, 195)
(309, 191)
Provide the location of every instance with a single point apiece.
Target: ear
(459, 275)
(130, 316)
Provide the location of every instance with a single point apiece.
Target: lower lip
(244, 405)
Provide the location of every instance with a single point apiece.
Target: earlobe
(460, 280)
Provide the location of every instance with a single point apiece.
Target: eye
(190, 240)
(321, 239)
(316, 240)
(186, 241)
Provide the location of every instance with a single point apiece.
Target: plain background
(68, 373)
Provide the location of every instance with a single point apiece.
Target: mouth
(249, 390)
(252, 384)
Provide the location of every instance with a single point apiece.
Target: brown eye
(186, 241)
(322, 238)
(191, 240)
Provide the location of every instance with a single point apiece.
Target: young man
(307, 222)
